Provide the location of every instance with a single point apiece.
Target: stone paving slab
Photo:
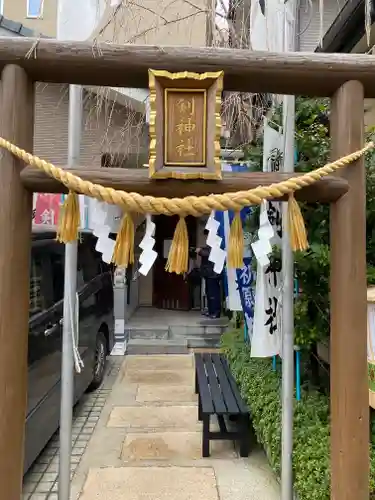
(161, 362)
(160, 393)
(172, 446)
(155, 417)
(122, 395)
(158, 377)
(150, 483)
(246, 479)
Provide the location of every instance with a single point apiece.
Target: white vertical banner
(273, 157)
(266, 338)
(267, 25)
(233, 299)
(265, 341)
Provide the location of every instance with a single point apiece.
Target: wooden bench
(218, 395)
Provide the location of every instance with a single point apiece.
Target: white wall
(77, 19)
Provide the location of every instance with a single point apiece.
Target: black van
(95, 342)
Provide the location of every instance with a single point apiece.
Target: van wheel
(99, 363)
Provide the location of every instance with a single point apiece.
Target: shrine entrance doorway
(170, 290)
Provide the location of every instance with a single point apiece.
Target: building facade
(347, 34)
(152, 22)
(37, 15)
(313, 24)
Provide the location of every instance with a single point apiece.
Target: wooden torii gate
(346, 79)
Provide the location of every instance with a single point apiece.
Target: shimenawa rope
(190, 205)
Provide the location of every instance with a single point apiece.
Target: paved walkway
(41, 482)
(147, 443)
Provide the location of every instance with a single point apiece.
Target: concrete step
(223, 322)
(148, 333)
(157, 346)
(203, 342)
(195, 331)
(199, 335)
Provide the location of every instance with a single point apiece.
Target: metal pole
(287, 319)
(70, 288)
(287, 293)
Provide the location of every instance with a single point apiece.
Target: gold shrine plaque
(185, 125)
(184, 129)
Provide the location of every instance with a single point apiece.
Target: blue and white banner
(245, 279)
(238, 283)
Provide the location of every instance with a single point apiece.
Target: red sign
(46, 208)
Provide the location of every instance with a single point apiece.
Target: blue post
(298, 374)
(296, 288)
(274, 360)
(246, 333)
(298, 353)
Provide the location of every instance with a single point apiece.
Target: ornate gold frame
(157, 169)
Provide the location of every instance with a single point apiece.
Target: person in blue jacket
(212, 282)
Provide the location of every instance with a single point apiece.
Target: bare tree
(224, 23)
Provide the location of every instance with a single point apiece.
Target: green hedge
(261, 388)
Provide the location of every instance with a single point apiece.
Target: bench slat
(241, 404)
(226, 388)
(217, 397)
(204, 390)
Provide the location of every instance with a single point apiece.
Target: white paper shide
(148, 254)
(105, 219)
(217, 254)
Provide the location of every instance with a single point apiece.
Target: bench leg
(221, 422)
(205, 437)
(196, 383)
(246, 434)
(199, 408)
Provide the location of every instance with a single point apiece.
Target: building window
(34, 8)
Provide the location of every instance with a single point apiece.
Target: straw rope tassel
(236, 243)
(296, 225)
(178, 257)
(123, 253)
(70, 219)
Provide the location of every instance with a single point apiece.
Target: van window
(88, 260)
(37, 302)
(41, 290)
(57, 263)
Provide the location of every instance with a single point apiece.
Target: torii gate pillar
(348, 353)
(17, 126)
